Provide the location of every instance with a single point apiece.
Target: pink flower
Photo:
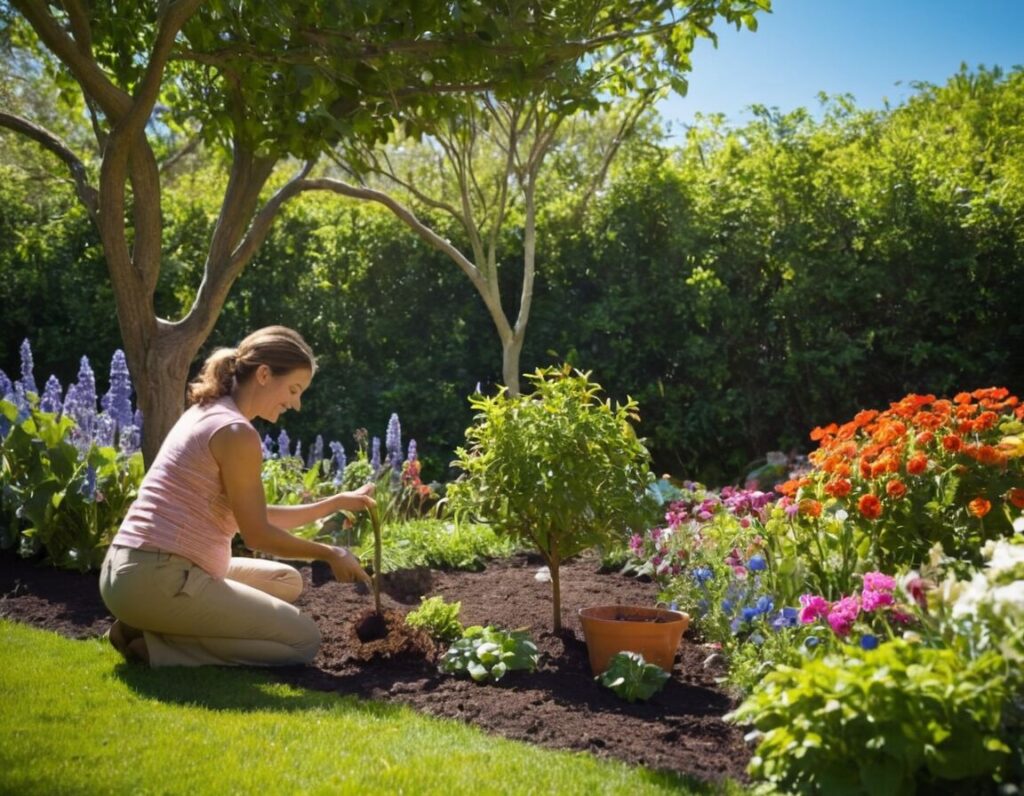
(843, 615)
(873, 600)
(902, 618)
(814, 606)
(876, 581)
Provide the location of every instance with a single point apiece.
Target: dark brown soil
(560, 705)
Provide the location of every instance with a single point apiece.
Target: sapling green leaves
(487, 653)
(632, 678)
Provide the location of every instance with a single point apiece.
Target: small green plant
(632, 678)
(438, 618)
(56, 498)
(487, 653)
(559, 469)
(902, 718)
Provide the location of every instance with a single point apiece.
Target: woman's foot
(128, 641)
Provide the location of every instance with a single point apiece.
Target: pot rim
(676, 616)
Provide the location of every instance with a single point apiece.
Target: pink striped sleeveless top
(181, 507)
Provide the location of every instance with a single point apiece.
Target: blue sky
(862, 47)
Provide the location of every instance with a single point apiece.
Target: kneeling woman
(179, 597)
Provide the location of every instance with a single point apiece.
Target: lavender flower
(104, 430)
(298, 450)
(284, 444)
(118, 401)
(131, 439)
(375, 456)
(51, 401)
(412, 451)
(393, 442)
(268, 447)
(6, 388)
(80, 404)
(316, 453)
(338, 461)
(28, 381)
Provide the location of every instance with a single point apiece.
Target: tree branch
(87, 194)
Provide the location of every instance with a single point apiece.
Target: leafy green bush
(487, 653)
(558, 469)
(55, 498)
(896, 720)
(439, 544)
(632, 678)
(438, 618)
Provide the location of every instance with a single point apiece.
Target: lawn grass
(76, 719)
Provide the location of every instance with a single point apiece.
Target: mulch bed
(559, 706)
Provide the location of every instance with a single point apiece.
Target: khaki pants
(190, 618)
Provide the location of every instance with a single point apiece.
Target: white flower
(841, 515)
(967, 601)
(1008, 601)
(1018, 524)
(1004, 557)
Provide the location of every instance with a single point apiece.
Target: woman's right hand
(345, 567)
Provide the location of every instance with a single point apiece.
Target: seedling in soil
(371, 626)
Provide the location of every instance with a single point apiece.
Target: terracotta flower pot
(653, 632)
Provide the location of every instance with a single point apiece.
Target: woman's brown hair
(279, 348)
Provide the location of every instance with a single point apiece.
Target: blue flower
(284, 444)
(88, 488)
(811, 642)
(338, 461)
(6, 388)
(375, 456)
(316, 453)
(727, 606)
(51, 401)
(411, 457)
(757, 564)
(268, 447)
(28, 381)
(868, 642)
(765, 604)
(393, 442)
(787, 617)
(702, 575)
(749, 614)
(118, 401)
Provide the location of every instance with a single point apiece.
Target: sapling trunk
(375, 521)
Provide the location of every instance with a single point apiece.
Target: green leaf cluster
(558, 468)
(900, 719)
(632, 678)
(487, 653)
(48, 504)
(438, 618)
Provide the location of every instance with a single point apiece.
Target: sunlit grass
(76, 719)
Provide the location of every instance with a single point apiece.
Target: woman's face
(280, 393)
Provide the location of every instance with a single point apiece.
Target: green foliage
(56, 499)
(896, 720)
(437, 618)
(632, 678)
(439, 544)
(558, 469)
(488, 654)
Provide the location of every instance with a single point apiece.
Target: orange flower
(962, 398)
(1016, 496)
(979, 507)
(819, 432)
(810, 508)
(788, 488)
(870, 506)
(917, 464)
(838, 487)
(895, 489)
(952, 443)
(924, 438)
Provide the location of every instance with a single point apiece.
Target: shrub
(559, 469)
(632, 678)
(897, 719)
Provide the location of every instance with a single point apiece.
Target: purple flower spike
(316, 453)
(6, 387)
(284, 444)
(268, 447)
(393, 442)
(28, 380)
(375, 456)
(338, 461)
(51, 401)
(412, 451)
(118, 401)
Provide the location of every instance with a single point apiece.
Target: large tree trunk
(160, 385)
(511, 348)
